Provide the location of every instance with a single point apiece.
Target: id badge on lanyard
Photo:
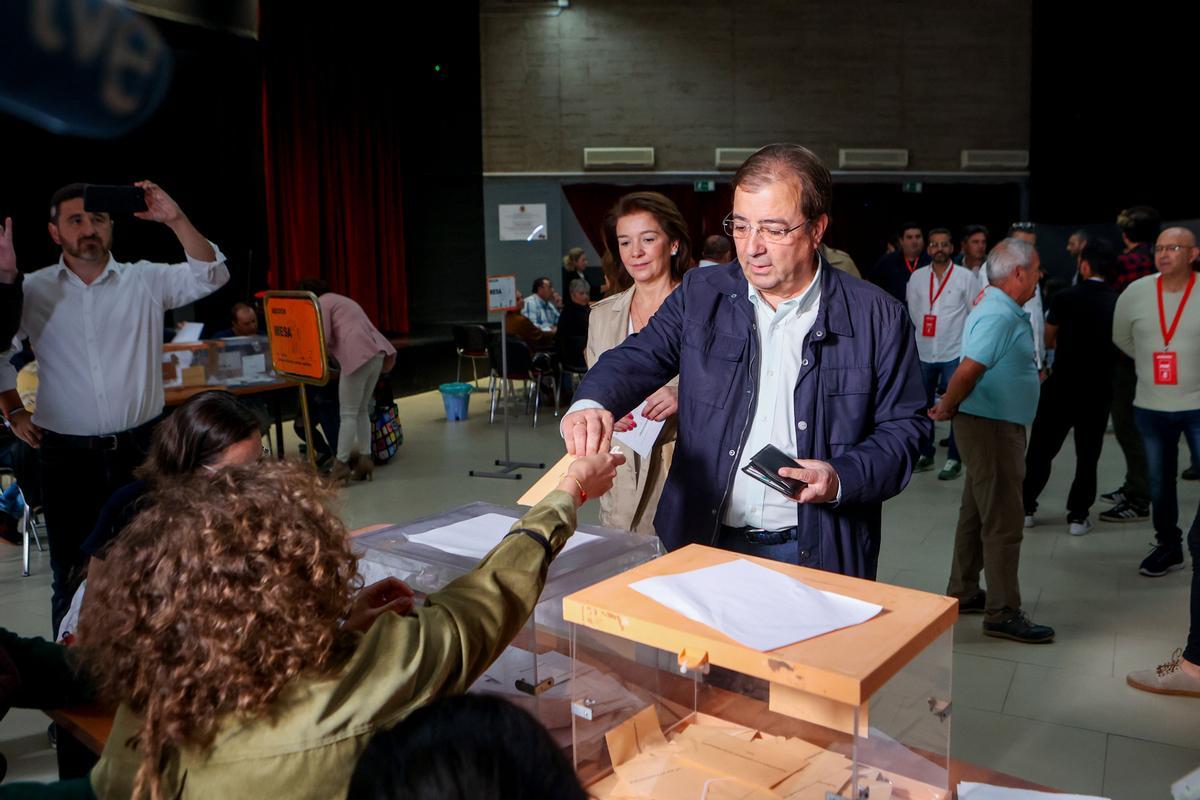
(1166, 362)
(929, 326)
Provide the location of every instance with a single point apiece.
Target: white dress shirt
(954, 303)
(781, 334)
(99, 346)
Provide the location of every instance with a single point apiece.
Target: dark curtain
(703, 211)
(331, 117)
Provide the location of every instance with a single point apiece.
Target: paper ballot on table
(730, 597)
(475, 537)
(188, 333)
(982, 791)
(642, 438)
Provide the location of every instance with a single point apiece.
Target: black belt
(110, 442)
(759, 536)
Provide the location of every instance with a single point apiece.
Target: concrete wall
(934, 76)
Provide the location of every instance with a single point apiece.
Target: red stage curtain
(702, 211)
(330, 123)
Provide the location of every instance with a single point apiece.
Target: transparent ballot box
(534, 672)
(241, 360)
(664, 706)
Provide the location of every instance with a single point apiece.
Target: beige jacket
(631, 503)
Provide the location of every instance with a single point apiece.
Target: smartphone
(114, 199)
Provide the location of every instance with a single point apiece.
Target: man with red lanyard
(892, 272)
(939, 300)
(1157, 324)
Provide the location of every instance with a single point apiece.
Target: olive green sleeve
(444, 647)
(77, 789)
(47, 675)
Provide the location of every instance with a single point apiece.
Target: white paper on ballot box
(982, 791)
(732, 598)
(475, 537)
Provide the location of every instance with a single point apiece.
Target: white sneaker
(1029, 520)
(1080, 528)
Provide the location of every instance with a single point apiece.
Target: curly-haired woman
(223, 646)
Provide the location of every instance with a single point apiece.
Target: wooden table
(176, 395)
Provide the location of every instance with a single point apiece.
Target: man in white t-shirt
(939, 297)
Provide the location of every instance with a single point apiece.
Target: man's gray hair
(579, 285)
(1007, 256)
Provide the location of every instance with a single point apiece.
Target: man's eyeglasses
(1170, 248)
(741, 229)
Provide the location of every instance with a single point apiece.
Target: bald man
(1157, 324)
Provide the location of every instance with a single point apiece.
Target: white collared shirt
(781, 333)
(953, 304)
(99, 346)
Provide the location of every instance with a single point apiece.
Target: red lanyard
(1162, 316)
(933, 297)
(912, 265)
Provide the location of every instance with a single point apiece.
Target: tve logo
(82, 67)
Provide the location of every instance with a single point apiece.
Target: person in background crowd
(1157, 324)
(840, 259)
(1027, 232)
(518, 325)
(10, 289)
(97, 327)
(891, 273)
(1131, 503)
(992, 397)
(939, 297)
(764, 353)
(1079, 390)
(469, 747)
(973, 250)
(573, 323)
(363, 354)
(647, 253)
(241, 580)
(539, 307)
(717, 250)
(243, 321)
(1075, 244)
(575, 264)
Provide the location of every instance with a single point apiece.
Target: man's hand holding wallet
(804, 481)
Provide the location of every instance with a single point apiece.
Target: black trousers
(1192, 651)
(1137, 470)
(76, 483)
(1066, 404)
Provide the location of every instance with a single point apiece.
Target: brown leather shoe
(362, 468)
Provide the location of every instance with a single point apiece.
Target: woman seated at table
(222, 642)
(647, 251)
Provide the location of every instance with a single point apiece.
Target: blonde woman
(647, 251)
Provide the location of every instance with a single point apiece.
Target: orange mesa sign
(296, 336)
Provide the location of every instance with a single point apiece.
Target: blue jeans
(1192, 651)
(1160, 434)
(936, 375)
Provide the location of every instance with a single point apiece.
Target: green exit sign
(704, 186)
(913, 187)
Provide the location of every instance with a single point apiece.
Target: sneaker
(974, 604)
(1162, 559)
(1190, 474)
(1019, 628)
(1079, 527)
(1113, 498)
(1029, 521)
(951, 471)
(1125, 511)
(924, 464)
(1166, 678)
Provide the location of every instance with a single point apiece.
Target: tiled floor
(1057, 714)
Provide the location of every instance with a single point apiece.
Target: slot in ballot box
(534, 672)
(665, 706)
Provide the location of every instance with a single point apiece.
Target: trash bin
(455, 397)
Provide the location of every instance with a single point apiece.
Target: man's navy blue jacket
(860, 400)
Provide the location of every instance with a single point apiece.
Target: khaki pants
(991, 518)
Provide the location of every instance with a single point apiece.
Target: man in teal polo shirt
(992, 397)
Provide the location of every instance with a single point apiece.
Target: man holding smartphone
(778, 349)
(96, 326)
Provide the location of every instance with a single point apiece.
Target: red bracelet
(583, 495)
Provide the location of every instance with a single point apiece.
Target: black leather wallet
(765, 465)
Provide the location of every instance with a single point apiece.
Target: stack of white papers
(475, 537)
(759, 607)
(982, 791)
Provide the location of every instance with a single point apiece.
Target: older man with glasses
(775, 348)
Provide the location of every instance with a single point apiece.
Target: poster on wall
(523, 222)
